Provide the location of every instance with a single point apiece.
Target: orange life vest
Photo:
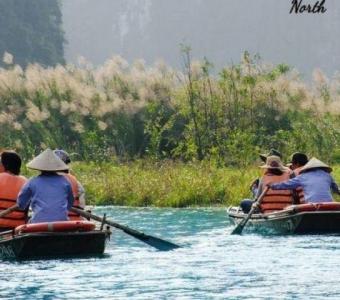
(299, 190)
(10, 186)
(275, 199)
(75, 191)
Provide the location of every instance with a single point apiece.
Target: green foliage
(163, 183)
(166, 183)
(126, 112)
(31, 31)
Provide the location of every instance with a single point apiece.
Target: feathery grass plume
(78, 127)
(17, 126)
(139, 110)
(7, 58)
(35, 114)
(102, 125)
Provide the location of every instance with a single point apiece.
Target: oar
(148, 239)
(8, 210)
(238, 229)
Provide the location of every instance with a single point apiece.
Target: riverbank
(166, 183)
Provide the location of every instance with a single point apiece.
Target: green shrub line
(166, 183)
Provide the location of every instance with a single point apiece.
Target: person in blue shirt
(315, 180)
(49, 194)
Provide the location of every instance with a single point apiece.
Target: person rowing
(11, 183)
(255, 184)
(315, 180)
(274, 172)
(49, 194)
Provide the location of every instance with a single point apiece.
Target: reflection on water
(212, 264)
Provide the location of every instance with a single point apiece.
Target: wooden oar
(238, 229)
(8, 210)
(148, 239)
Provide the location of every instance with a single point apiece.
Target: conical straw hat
(314, 163)
(274, 162)
(47, 161)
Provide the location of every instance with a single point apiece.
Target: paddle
(148, 239)
(238, 229)
(8, 210)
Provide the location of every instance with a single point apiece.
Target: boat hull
(53, 244)
(291, 222)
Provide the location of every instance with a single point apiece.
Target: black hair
(299, 158)
(274, 171)
(48, 173)
(11, 162)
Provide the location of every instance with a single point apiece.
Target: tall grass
(133, 111)
(166, 183)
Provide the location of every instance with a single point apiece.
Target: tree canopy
(32, 31)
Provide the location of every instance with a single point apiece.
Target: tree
(31, 30)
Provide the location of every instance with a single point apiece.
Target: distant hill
(218, 29)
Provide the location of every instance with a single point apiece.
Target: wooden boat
(310, 218)
(52, 240)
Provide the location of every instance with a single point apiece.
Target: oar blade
(157, 243)
(238, 229)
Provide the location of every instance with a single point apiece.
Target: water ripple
(212, 265)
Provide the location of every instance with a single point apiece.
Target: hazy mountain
(218, 29)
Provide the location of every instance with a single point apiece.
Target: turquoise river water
(211, 265)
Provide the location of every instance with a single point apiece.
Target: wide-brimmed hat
(274, 162)
(315, 163)
(47, 161)
(272, 152)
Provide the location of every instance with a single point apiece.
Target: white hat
(314, 163)
(47, 161)
(274, 162)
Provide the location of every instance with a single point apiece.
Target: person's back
(46, 194)
(255, 184)
(272, 201)
(49, 194)
(10, 185)
(316, 181)
(316, 185)
(275, 200)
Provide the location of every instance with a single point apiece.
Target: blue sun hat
(63, 155)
